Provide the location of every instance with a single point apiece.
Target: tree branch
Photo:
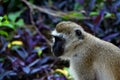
(55, 13)
(32, 7)
(44, 10)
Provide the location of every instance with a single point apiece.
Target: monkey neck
(89, 46)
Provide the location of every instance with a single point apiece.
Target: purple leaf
(45, 66)
(34, 63)
(31, 58)
(35, 70)
(45, 60)
(16, 63)
(116, 5)
(92, 4)
(6, 73)
(1, 67)
(22, 53)
(80, 1)
(26, 69)
(118, 19)
(90, 25)
(110, 36)
(97, 20)
(3, 48)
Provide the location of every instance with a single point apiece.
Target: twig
(32, 21)
(52, 12)
(44, 10)
(31, 10)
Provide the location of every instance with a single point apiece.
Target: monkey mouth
(58, 47)
(58, 52)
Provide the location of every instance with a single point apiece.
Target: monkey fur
(90, 57)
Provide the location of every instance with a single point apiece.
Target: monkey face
(58, 45)
(65, 38)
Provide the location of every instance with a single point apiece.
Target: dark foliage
(31, 58)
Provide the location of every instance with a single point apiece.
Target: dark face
(59, 42)
(58, 46)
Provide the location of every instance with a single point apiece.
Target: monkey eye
(79, 34)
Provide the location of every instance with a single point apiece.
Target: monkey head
(66, 36)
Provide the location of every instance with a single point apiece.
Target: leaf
(34, 63)
(19, 43)
(3, 48)
(108, 15)
(94, 13)
(5, 17)
(39, 51)
(26, 69)
(62, 71)
(72, 15)
(35, 70)
(5, 22)
(20, 22)
(1, 18)
(99, 18)
(80, 1)
(115, 5)
(8, 25)
(77, 6)
(45, 60)
(118, 18)
(97, 21)
(3, 33)
(6, 73)
(14, 16)
(23, 54)
(92, 4)
(110, 36)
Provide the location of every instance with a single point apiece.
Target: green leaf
(108, 15)
(77, 6)
(14, 16)
(39, 51)
(94, 13)
(20, 22)
(71, 15)
(9, 26)
(5, 22)
(1, 18)
(3, 33)
(5, 17)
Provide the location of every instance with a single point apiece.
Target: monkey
(90, 57)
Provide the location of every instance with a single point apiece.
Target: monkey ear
(79, 34)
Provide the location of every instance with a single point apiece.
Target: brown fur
(90, 58)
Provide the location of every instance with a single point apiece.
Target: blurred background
(25, 27)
